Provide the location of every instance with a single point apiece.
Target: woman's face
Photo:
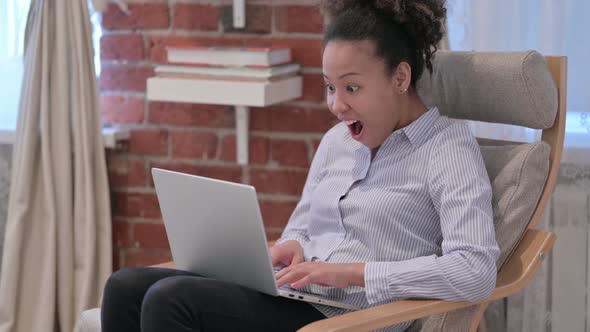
(359, 91)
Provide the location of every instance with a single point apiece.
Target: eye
(352, 88)
(330, 87)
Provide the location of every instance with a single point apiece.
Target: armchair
(520, 88)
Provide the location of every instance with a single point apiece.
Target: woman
(397, 203)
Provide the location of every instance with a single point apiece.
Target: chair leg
(478, 316)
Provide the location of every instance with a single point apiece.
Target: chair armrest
(514, 276)
(383, 315)
(524, 262)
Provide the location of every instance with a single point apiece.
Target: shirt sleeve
(461, 193)
(296, 228)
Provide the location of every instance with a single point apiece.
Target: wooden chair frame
(515, 274)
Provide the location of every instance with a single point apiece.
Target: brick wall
(200, 139)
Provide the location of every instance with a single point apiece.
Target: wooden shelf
(240, 94)
(221, 92)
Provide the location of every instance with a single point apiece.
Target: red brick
(122, 47)
(186, 144)
(258, 19)
(227, 173)
(139, 16)
(272, 234)
(125, 172)
(315, 143)
(125, 78)
(116, 259)
(121, 109)
(307, 52)
(288, 182)
(151, 235)
(122, 233)
(151, 142)
(258, 149)
(146, 257)
(313, 88)
(291, 119)
(191, 16)
(289, 153)
(189, 114)
(136, 205)
(307, 19)
(157, 44)
(276, 214)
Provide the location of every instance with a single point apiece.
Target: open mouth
(355, 127)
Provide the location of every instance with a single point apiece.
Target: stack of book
(229, 63)
(220, 75)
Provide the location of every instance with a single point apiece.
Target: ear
(402, 77)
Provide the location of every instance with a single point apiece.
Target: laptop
(215, 230)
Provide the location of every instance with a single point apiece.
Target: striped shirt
(419, 215)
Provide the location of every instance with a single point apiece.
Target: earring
(403, 90)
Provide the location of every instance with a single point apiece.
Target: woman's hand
(287, 253)
(323, 274)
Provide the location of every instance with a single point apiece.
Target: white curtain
(57, 251)
(13, 17)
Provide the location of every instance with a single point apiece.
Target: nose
(337, 104)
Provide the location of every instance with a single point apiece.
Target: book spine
(224, 48)
(220, 65)
(205, 57)
(225, 78)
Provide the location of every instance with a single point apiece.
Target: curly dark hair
(403, 30)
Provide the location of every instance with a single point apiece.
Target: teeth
(348, 123)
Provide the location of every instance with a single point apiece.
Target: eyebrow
(343, 75)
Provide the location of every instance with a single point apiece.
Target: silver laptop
(215, 230)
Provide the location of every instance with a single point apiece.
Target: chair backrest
(516, 88)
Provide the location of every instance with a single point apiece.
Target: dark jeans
(153, 299)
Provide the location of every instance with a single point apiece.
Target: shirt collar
(418, 131)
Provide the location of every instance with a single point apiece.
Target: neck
(413, 107)
(374, 152)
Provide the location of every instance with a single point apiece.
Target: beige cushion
(518, 174)
(509, 87)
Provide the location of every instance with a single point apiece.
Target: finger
(302, 282)
(284, 271)
(281, 273)
(279, 257)
(285, 278)
(279, 260)
(297, 258)
(274, 258)
(290, 277)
